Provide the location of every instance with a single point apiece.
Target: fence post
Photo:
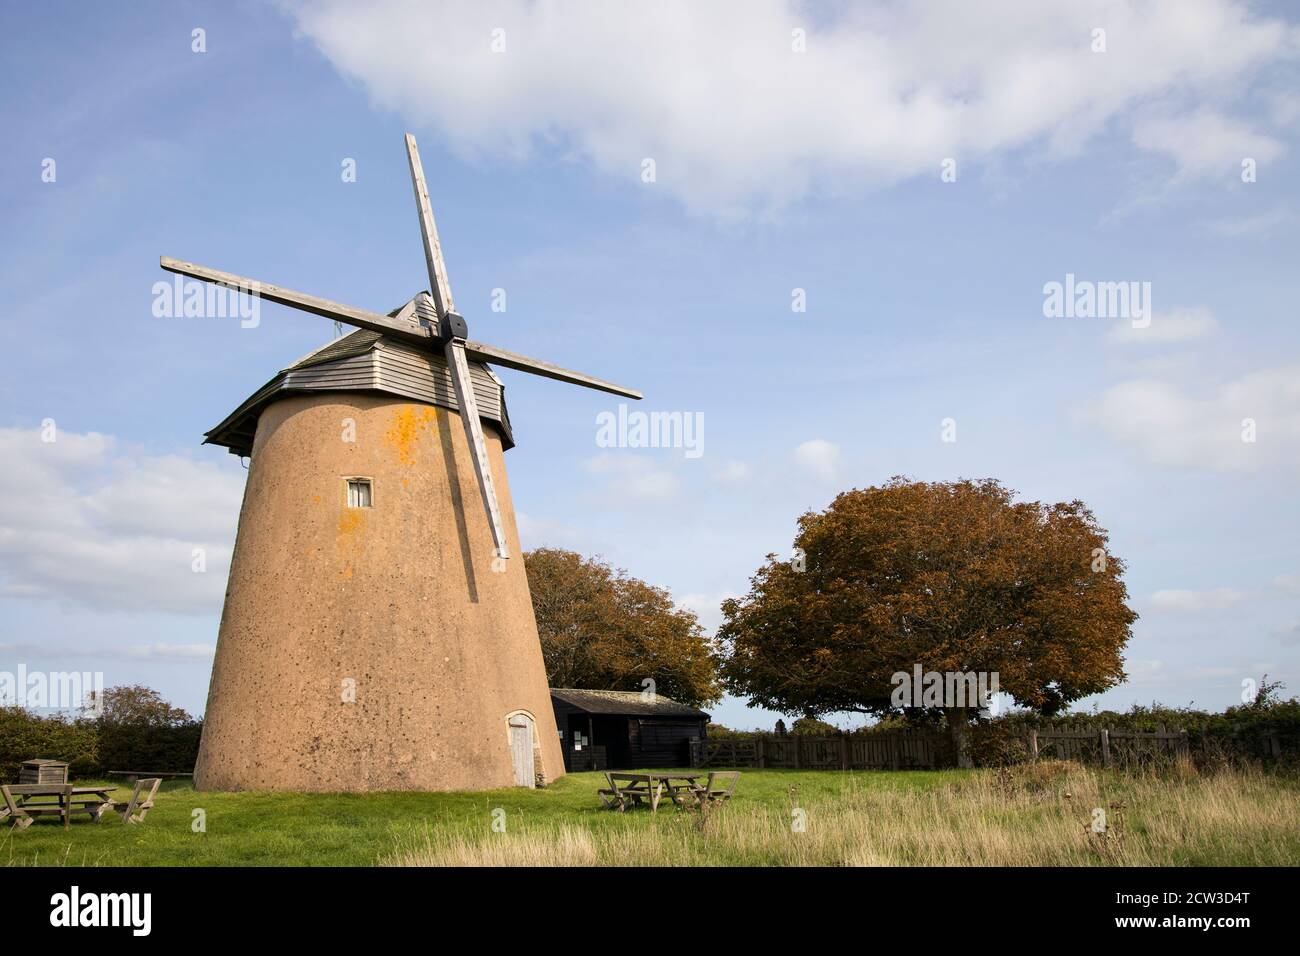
(1033, 745)
(893, 751)
(760, 752)
(1184, 747)
(844, 752)
(1105, 747)
(798, 751)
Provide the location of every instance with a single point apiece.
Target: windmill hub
(453, 327)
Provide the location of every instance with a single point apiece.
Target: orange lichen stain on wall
(352, 523)
(404, 434)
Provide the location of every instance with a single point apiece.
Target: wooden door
(521, 750)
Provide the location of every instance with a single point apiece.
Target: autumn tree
(137, 728)
(137, 705)
(602, 629)
(956, 577)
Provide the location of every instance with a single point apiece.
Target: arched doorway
(523, 738)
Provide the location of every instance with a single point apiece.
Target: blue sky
(776, 170)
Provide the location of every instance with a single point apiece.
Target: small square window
(358, 492)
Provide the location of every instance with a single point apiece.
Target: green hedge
(24, 736)
(140, 747)
(92, 747)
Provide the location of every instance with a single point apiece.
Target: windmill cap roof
(366, 361)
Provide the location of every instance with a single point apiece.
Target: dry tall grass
(1037, 815)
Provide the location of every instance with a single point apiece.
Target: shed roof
(626, 703)
(367, 362)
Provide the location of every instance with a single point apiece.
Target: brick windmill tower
(377, 632)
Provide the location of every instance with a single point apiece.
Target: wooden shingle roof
(624, 703)
(366, 362)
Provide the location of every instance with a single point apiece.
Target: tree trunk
(959, 726)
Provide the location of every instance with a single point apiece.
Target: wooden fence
(1128, 748)
(1108, 747)
(901, 751)
(921, 750)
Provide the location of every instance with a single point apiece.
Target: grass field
(1035, 815)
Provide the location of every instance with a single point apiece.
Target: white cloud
(1169, 424)
(1283, 106)
(1257, 225)
(1162, 676)
(83, 522)
(1180, 324)
(159, 651)
(732, 473)
(1146, 672)
(707, 607)
(737, 121)
(544, 532)
(820, 458)
(1288, 583)
(633, 477)
(1195, 602)
(1205, 144)
(171, 652)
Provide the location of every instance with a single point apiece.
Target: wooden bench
(624, 790)
(718, 788)
(631, 789)
(25, 813)
(140, 803)
(22, 802)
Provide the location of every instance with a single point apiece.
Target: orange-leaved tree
(956, 577)
(602, 629)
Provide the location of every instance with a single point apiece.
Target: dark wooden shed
(624, 730)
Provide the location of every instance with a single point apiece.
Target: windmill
(362, 645)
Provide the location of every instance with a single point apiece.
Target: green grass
(1035, 816)
(336, 829)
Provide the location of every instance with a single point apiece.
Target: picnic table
(628, 789)
(18, 802)
(633, 787)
